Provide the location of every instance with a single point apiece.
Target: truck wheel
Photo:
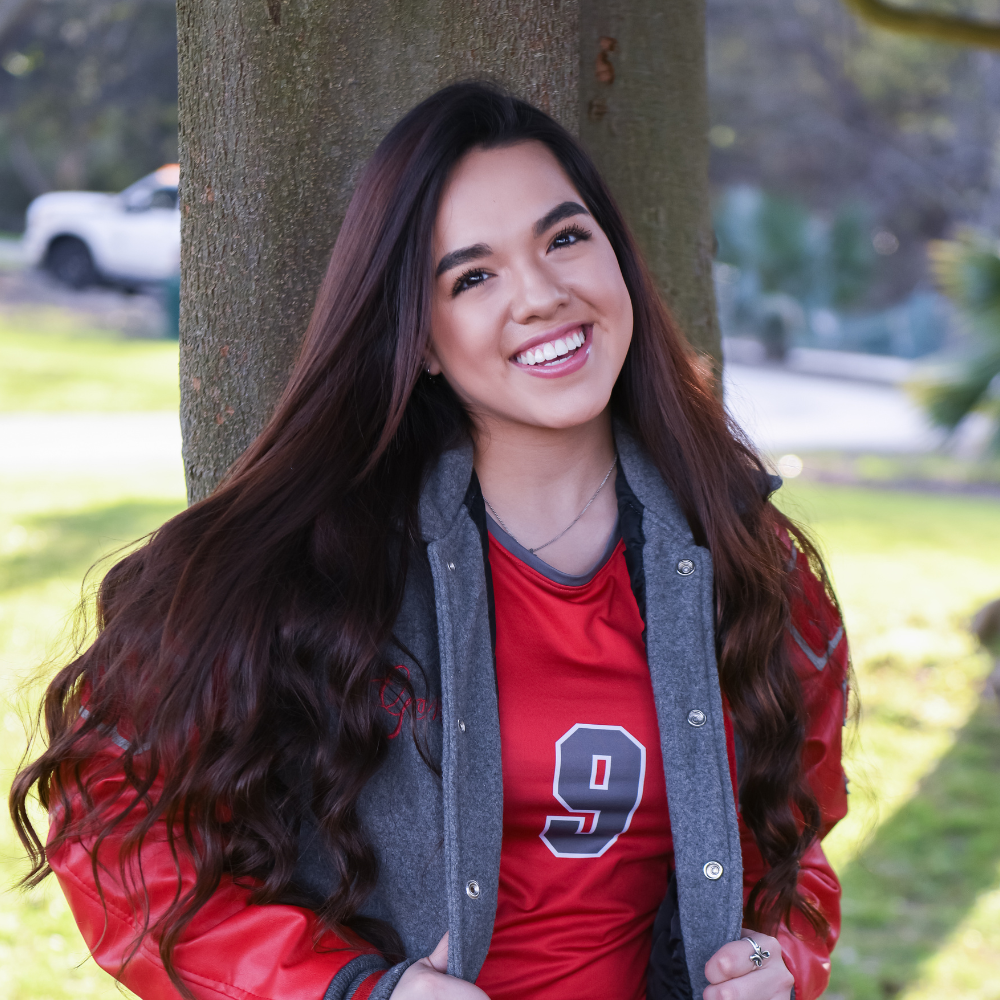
(69, 261)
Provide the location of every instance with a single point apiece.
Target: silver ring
(758, 956)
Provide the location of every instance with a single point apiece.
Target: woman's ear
(431, 364)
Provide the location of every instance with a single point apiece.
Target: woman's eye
(569, 236)
(469, 280)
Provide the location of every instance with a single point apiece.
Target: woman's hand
(428, 979)
(734, 976)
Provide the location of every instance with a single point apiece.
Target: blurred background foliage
(838, 153)
(789, 250)
(788, 277)
(968, 270)
(88, 96)
(808, 102)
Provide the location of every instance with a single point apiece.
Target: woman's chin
(562, 418)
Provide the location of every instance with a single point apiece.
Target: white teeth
(551, 350)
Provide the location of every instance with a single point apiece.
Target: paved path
(785, 411)
(89, 442)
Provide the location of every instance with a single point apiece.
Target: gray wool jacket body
(438, 838)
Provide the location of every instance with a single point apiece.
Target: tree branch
(938, 27)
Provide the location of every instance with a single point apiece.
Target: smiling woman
(344, 733)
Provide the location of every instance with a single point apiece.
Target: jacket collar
(448, 481)
(444, 490)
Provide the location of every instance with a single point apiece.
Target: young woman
(490, 670)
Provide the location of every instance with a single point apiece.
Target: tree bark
(282, 101)
(644, 118)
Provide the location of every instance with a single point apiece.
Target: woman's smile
(558, 353)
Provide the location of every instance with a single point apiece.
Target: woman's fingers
(428, 979)
(735, 976)
(438, 958)
(770, 985)
(734, 959)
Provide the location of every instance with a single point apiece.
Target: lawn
(53, 360)
(920, 851)
(919, 854)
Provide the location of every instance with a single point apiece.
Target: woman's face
(531, 319)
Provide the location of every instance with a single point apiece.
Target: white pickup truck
(130, 239)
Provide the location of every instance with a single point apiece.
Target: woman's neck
(537, 480)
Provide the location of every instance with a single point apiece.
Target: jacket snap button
(451, 565)
(685, 567)
(472, 889)
(712, 870)
(461, 724)
(696, 717)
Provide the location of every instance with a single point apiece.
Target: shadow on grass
(923, 871)
(71, 543)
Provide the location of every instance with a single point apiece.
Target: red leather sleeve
(818, 649)
(806, 953)
(230, 950)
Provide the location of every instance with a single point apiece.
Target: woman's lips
(558, 356)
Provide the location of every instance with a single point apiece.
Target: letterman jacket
(438, 838)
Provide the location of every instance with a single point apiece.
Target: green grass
(921, 471)
(919, 853)
(45, 550)
(51, 360)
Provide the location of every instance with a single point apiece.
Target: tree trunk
(282, 101)
(644, 119)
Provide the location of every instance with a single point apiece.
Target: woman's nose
(537, 293)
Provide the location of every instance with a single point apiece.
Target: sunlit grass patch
(51, 360)
(46, 548)
(910, 898)
(969, 964)
(920, 847)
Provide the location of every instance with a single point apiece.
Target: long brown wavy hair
(245, 627)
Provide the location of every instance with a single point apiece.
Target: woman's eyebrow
(479, 250)
(463, 256)
(560, 212)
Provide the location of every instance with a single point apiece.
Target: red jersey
(586, 835)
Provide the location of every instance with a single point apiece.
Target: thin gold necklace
(538, 548)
